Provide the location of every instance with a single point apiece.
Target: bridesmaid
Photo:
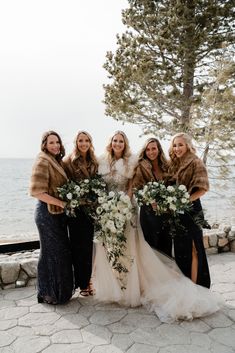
(81, 164)
(187, 169)
(54, 277)
(152, 166)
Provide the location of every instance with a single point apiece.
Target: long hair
(44, 144)
(76, 154)
(175, 162)
(126, 152)
(162, 161)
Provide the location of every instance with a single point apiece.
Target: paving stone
(195, 326)
(200, 339)
(107, 317)
(30, 301)
(72, 321)
(184, 349)
(20, 331)
(141, 320)
(6, 303)
(13, 313)
(6, 350)
(71, 348)
(6, 324)
(45, 330)
(107, 349)
(122, 341)
(72, 307)
(6, 339)
(220, 348)
(87, 311)
(161, 336)
(143, 348)
(231, 314)
(67, 336)
(30, 344)
(120, 327)
(37, 319)
(96, 335)
(224, 336)
(19, 293)
(217, 320)
(42, 308)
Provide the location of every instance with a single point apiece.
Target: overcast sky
(51, 75)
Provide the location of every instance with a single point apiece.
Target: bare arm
(50, 200)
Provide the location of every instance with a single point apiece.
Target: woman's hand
(154, 206)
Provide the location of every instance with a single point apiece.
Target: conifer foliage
(160, 68)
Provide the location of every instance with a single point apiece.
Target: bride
(152, 280)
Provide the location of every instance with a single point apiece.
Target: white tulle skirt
(154, 281)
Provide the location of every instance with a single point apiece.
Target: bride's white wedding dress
(153, 279)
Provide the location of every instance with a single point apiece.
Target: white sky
(51, 75)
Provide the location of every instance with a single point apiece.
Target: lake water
(17, 207)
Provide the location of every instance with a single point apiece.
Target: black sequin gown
(55, 277)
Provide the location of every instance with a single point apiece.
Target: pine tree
(161, 64)
(213, 120)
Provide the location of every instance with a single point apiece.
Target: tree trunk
(189, 62)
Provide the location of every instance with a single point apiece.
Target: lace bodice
(117, 175)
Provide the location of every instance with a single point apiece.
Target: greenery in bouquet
(113, 212)
(173, 199)
(84, 193)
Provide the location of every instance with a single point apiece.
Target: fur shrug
(76, 170)
(143, 173)
(47, 175)
(192, 173)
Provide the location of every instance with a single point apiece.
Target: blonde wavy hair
(174, 161)
(162, 160)
(76, 154)
(126, 152)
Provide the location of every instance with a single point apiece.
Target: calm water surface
(17, 207)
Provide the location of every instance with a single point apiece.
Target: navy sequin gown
(55, 278)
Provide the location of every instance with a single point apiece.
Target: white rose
(182, 187)
(111, 194)
(183, 200)
(101, 199)
(99, 210)
(69, 196)
(172, 207)
(128, 216)
(170, 188)
(74, 203)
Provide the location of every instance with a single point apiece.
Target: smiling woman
(54, 277)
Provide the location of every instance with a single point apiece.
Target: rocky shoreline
(20, 269)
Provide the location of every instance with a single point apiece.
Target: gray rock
(9, 272)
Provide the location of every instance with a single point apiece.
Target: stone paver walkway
(86, 326)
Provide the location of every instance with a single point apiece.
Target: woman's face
(152, 151)
(53, 145)
(118, 145)
(83, 143)
(179, 147)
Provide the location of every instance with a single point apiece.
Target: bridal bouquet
(113, 212)
(85, 192)
(167, 199)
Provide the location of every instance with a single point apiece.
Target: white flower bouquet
(113, 212)
(166, 199)
(85, 193)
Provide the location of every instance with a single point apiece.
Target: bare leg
(194, 268)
